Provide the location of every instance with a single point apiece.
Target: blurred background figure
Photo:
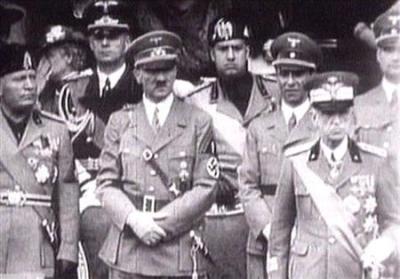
(8, 16)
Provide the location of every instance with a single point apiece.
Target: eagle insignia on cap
(158, 51)
(394, 19)
(156, 40)
(27, 64)
(293, 42)
(223, 29)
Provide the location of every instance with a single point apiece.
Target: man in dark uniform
(267, 136)
(37, 183)
(233, 100)
(110, 87)
(336, 212)
(157, 173)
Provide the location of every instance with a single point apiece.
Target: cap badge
(27, 61)
(106, 5)
(55, 34)
(394, 19)
(156, 40)
(293, 42)
(292, 55)
(223, 30)
(106, 20)
(158, 51)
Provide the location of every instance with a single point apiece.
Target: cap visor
(293, 62)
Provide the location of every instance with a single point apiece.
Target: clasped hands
(144, 225)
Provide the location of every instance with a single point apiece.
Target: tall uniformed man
(233, 101)
(157, 173)
(111, 86)
(296, 58)
(37, 185)
(378, 110)
(339, 196)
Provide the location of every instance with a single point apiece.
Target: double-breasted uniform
(367, 188)
(259, 174)
(132, 166)
(35, 173)
(226, 229)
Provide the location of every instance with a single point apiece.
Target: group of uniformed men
(246, 176)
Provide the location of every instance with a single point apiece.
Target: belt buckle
(147, 155)
(16, 198)
(149, 204)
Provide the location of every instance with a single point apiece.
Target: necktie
(106, 88)
(336, 166)
(395, 99)
(292, 122)
(156, 120)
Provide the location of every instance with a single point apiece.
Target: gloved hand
(225, 193)
(65, 269)
(145, 228)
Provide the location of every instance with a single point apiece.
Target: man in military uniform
(339, 196)
(377, 110)
(233, 100)
(37, 185)
(110, 87)
(296, 57)
(157, 173)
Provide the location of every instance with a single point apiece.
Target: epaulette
(375, 150)
(51, 116)
(206, 82)
(78, 75)
(298, 148)
(128, 107)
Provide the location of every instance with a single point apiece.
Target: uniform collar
(339, 152)
(390, 88)
(114, 77)
(164, 108)
(299, 111)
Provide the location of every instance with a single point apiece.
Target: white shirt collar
(298, 111)
(389, 88)
(114, 77)
(163, 108)
(339, 152)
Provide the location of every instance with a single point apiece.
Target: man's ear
(212, 55)
(138, 75)
(127, 40)
(247, 52)
(91, 43)
(1, 87)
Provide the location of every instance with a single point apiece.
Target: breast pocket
(181, 161)
(270, 163)
(132, 163)
(304, 203)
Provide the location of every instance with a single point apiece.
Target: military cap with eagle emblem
(15, 58)
(296, 49)
(107, 13)
(387, 27)
(332, 92)
(227, 28)
(155, 50)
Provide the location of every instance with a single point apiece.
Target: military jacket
(369, 192)
(229, 125)
(42, 163)
(259, 173)
(181, 149)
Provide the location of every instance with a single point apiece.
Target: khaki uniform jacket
(229, 125)
(259, 172)
(125, 178)
(368, 189)
(42, 163)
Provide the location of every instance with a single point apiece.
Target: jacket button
(155, 156)
(153, 173)
(386, 144)
(331, 240)
(389, 128)
(151, 189)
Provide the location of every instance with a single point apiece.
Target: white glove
(377, 251)
(145, 228)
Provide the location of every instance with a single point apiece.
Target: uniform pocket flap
(300, 248)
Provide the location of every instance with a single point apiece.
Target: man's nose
(230, 54)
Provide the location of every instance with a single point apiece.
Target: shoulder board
(128, 106)
(206, 82)
(378, 151)
(299, 148)
(269, 77)
(78, 75)
(51, 116)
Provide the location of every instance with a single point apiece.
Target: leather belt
(148, 203)
(268, 189)
(90, 164)
(19, 199)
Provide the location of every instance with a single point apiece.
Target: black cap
(296, 49)
(227, 28)
(332, 92)
(9, 14)
(15, 58)
(107, 14)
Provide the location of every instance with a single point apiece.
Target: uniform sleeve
(109, 189)
(257, 212)
(186, 210)
(68, 201)
(284, 214)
